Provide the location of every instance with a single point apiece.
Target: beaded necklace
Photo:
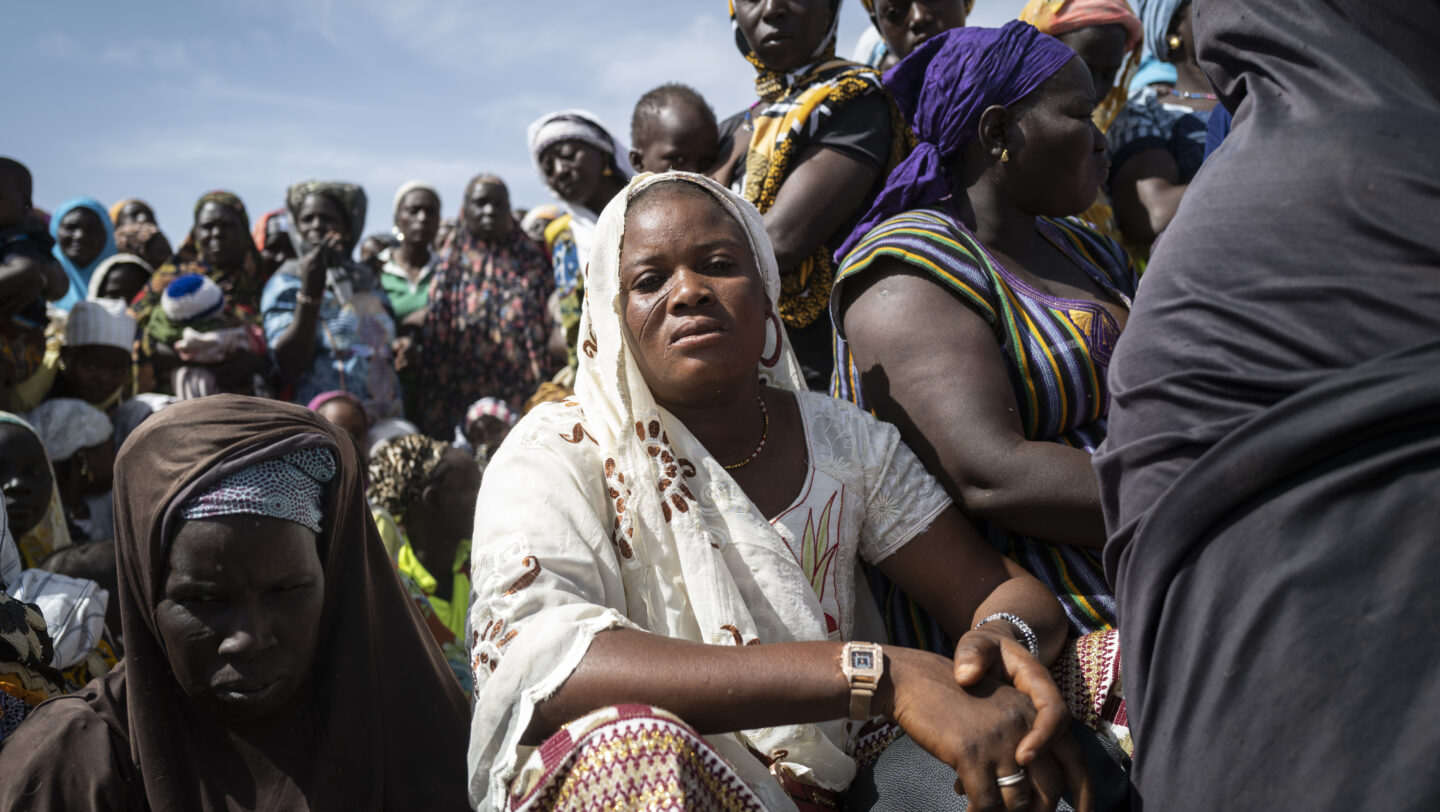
(764, 434)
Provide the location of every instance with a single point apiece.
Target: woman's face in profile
(1062, 161)
(240, 613)
(693, 302)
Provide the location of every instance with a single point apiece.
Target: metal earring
(399, 235)
(1005, 155)
(607, 172)
(1174, 42)
(774, 358)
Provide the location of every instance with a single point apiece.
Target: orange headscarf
(1056, 17)
(262, 224)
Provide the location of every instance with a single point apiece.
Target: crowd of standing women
(1021, 418)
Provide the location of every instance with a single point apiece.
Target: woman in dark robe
(272, 661)
(1270, 475)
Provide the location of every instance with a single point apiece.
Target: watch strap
(860, 697)
(863, 665)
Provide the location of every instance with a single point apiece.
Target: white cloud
(57, 45)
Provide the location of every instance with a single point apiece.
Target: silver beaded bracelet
(1028, 634)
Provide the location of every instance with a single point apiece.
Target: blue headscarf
(941, 88)
(1151, 71)
(1155, 16)
(80, 277)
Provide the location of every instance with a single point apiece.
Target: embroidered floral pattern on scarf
(643, 528)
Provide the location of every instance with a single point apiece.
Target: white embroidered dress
(604, 512)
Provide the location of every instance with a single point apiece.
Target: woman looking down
(270, 659)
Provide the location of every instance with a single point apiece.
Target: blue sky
(167, 100)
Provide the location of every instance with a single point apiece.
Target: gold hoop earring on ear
(1174, 42)
(1005, 155)
(607, 172)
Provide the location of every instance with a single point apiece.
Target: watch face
(862, 659)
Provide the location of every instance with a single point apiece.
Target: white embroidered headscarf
(670, 543)
(660, 467)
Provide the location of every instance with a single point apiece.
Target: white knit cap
(192, 297)
(411, 186)
(104, 322)
(66, 425)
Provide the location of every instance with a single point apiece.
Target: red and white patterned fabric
(1088, 675)
(629, 757)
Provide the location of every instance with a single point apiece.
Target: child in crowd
(196, 319)
(29, 276)
(487, 422)
(122, 277)
(673, 128)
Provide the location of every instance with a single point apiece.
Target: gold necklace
(764, 434)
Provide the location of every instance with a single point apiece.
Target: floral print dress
(488, 328)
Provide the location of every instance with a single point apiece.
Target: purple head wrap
(941, 88)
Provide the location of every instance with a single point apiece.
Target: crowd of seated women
(895, 443)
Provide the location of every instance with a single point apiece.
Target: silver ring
(1011, 780)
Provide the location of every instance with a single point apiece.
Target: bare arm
(724, 170)
(1146, 194)
(989, 711)
(982, 731)
(960, 580)
(716, 689)
(948, 568)
(820, 194)
(968, 435)
(295, 348)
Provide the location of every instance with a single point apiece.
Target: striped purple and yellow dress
(1056, 351)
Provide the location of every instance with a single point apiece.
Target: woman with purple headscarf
(976, 315)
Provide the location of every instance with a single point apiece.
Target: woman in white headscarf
(405, 270)
(583, 165)
(685, 533)
(80, 441)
